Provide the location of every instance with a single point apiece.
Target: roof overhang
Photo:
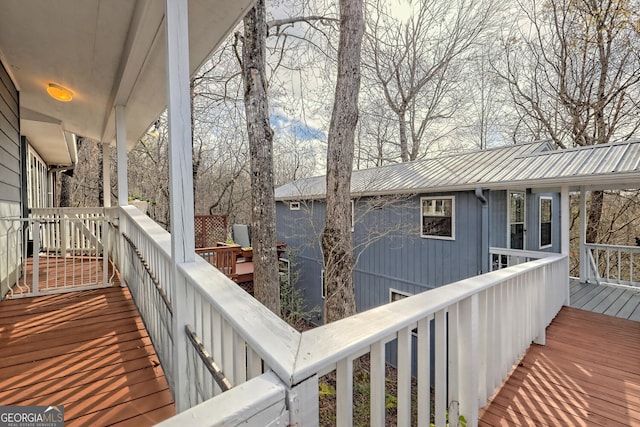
(107, 52)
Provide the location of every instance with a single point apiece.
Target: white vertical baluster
(404, 376)
(424, 372)
(441, 367)
(377, 379)
(344, 392)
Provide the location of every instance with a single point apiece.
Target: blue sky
(299, 129)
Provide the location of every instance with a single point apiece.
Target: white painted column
(583, 236)
(121, 149)
(565, 220)
(106, 174)
(181, 183)
(469, 358)
(565, 224)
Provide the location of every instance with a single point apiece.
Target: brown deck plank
(87, 350)
(65, 272)
(588, 373)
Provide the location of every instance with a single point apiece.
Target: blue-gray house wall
(391, 254)
(406, 262)
(498, 226)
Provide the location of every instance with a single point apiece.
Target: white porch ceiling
(107, 52)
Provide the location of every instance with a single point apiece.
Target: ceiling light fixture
(59, 93)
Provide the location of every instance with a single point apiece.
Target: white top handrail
(325, 345)
(613, 247)
(156, 235)
(295, 357)
(271, 337)
(520, 253)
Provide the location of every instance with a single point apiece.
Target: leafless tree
(415, 64)
(574, 73)
(337, 246)
(266, 282)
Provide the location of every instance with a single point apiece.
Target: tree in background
(337, 246)
(417, 64)
(266, 282)
(574, 75)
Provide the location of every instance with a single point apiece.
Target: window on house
(353, 214)
(517, 215)
(438, 217)
(396, 295)
(294, 206)
(546, 204)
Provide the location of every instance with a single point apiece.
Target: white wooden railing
(502, 257)
(214, 309)
(613, 264)
(482, 326)
(55, 250)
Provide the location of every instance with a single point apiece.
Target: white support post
(121, 148)
(440, 367)
(565, 223)
(468, 354)
(584, 267)
(36, 258)
(106, 174)
(105, 250)
(303, 403)
(180, 181)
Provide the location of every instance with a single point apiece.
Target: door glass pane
(516, 220)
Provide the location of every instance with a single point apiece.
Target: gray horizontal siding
(9, 140)
(10, 170)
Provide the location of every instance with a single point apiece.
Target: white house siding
(10, 171)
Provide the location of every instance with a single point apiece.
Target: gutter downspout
(484, 241)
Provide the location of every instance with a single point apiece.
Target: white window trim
(399, 292)
(453, 217)
(353, 214)
(540, 222)
(294, 206)
(323, 289)
(524, 237)
(392, 291)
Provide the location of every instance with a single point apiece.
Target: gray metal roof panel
(631, 160)
(495, 168)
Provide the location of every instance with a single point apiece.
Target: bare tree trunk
(65, 190)
(266, 282)
(404, 144)
(337, 245)
(593, 217)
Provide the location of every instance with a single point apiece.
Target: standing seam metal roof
(524, 165)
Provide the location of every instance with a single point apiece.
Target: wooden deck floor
(615, 301)
(88, 351)
(64, 273)
(588, 373)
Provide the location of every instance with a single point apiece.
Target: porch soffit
(106, 52)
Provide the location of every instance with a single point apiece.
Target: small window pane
(517, 207)
(545, 222)
(517, 236)
(437, 217)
